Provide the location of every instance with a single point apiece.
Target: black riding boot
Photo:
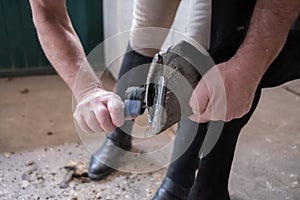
(214, 169)
(229, 24)
(121, 136)
(181, 172)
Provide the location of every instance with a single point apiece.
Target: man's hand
(99, 111)
(225, 92)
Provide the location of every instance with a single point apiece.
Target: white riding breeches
(149, 15)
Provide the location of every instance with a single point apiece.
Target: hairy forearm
(268, 30)
(63, 49)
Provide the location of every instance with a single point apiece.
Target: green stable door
(20, 51)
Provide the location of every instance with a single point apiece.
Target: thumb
(116, 109)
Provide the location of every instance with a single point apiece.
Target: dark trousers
(230, 21)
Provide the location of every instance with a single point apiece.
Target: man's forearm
(268, 30)
(62, 46)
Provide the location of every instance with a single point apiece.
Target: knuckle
(101, 111)
(193, 104)
(116, 107)
(104, 120)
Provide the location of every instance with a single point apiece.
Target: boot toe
(104, 161)
(98, 170)
(170, 190)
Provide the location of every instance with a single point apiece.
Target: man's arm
(269, 28)
(59, 41)
(240, 76)
(65, 52)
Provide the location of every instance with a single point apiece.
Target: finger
(195, 117)
(205, 117)
(104, 119)
(93, 123)
(116, 110)
(215, 111)
(200, 98)
(201, 118)
(83, 125)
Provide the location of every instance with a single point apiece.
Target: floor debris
(24, 91)
(74, 170)
(32, 164)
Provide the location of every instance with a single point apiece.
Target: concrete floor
(38, 138)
